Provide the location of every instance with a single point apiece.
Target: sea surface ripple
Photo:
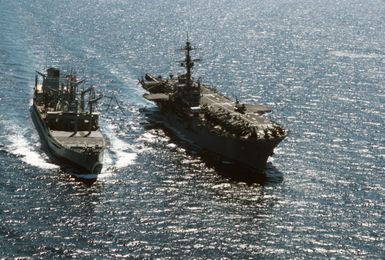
(319, 64)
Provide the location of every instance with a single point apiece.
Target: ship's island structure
(67, 122)
(238, 133)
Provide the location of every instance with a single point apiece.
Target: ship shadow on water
(74, 174)
(238, 173)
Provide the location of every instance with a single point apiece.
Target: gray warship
(238, 133)
(67, 122)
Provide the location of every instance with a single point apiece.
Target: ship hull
(87, 165)
(251, 154)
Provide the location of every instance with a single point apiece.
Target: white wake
(28, 150)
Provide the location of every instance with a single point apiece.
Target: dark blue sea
(319, 64)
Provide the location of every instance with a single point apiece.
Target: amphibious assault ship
(67, 122)
(238, 133)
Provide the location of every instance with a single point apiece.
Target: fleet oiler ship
(237, 132)
(67, 123)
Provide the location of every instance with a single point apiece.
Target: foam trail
(18, 145)
(120, 154)
(106, 170)
(123, 158)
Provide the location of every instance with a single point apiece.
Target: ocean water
(320, 64)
